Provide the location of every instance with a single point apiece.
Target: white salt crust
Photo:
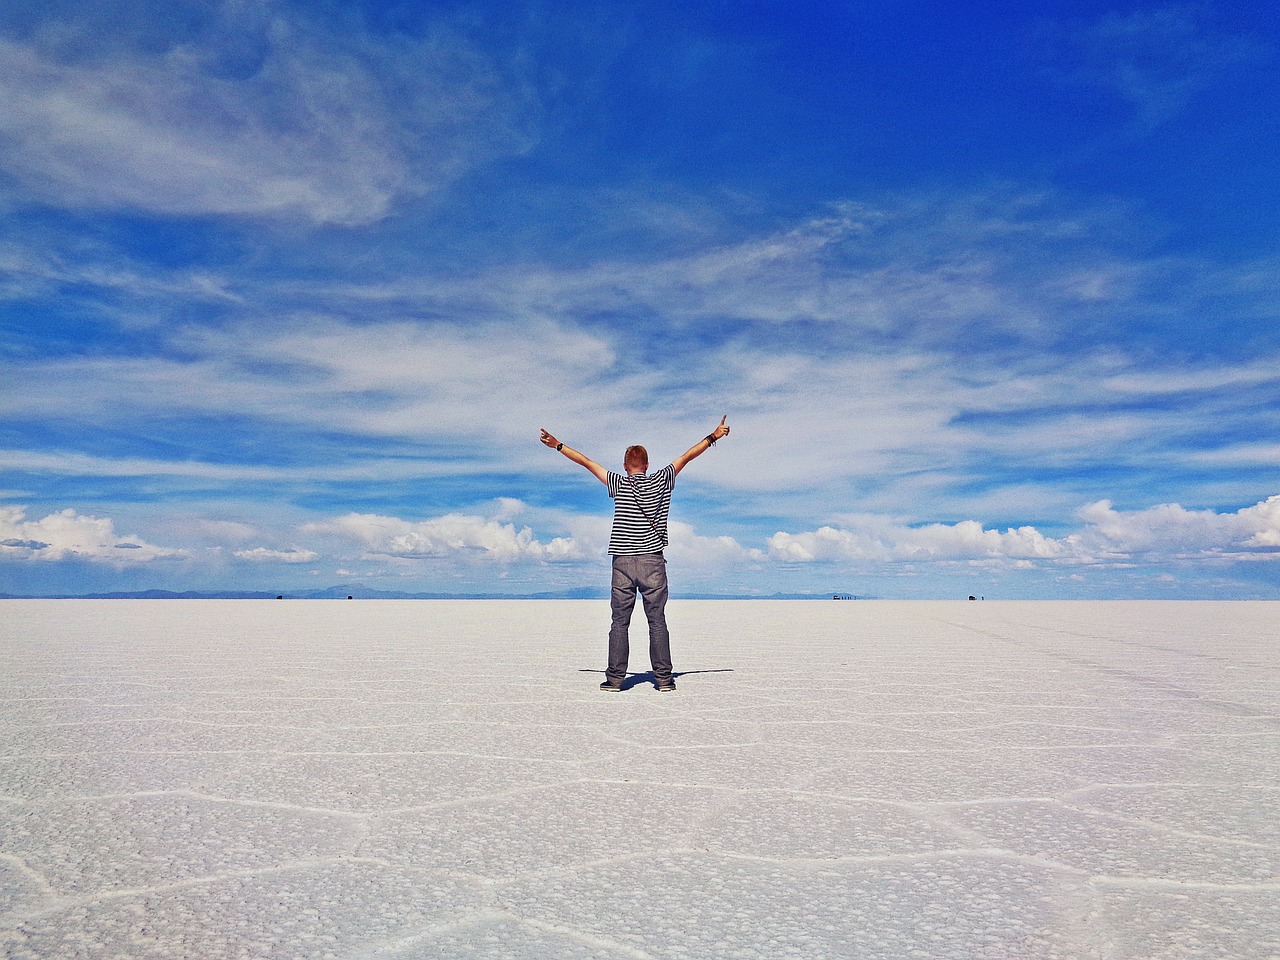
(422, 779)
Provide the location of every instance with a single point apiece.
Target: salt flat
(239, 779)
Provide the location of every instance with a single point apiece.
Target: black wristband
(711, 439)
(559, 446)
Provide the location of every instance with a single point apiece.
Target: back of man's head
(636, 459)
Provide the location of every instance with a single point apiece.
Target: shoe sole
(610, 689)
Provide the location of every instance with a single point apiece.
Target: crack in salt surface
(494, 914)
(31, 873)
(60, 902)
(1111, 815)
(589, 939)
(944, 855)
(1174, 885)
(195, 795)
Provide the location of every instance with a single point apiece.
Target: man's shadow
(636, 679)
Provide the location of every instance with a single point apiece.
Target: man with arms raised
(640, 504)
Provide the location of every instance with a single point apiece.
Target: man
(639, 535)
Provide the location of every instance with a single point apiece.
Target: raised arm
(702, 446)
(599, 472)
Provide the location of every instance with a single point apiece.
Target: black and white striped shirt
(640, 506)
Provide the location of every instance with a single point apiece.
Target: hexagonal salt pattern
(414, 780)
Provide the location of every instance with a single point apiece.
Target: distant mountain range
(345, 592)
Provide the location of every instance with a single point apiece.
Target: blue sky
(989, 293)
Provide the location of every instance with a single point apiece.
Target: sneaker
(611, 687)
(666, 686)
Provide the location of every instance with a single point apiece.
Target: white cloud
(1109, 538)
(72, 464)
(1161, 534)
(433, 382)
(462, 539)
(1170, 530)
(803, 421)
(1202, 378)
(920, 271)
(68, 535)
(1240, 455)
(928, 269)
(814, 418)
(692, 550)
(431, 376)
(29, 272)
(880, 539)
(264, 555)
(329, 129)
(450, 536)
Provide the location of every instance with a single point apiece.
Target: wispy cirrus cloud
(75, 464)
(872, 419)
(435, 382)
(959, 271)
(1154, 58)
(1004, 273)
(251, 113)
(100, 279)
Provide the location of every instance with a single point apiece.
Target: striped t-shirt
(634, 497)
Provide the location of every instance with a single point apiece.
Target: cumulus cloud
(494, 541)
(249, 114)
(1170, 530)
(264, 555)
(702, 552)
(450, 536)
(880, 539)
(68, 535)
(1163, 533)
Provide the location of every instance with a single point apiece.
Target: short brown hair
(636, 456)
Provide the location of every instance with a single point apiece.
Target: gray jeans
(645, 573)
